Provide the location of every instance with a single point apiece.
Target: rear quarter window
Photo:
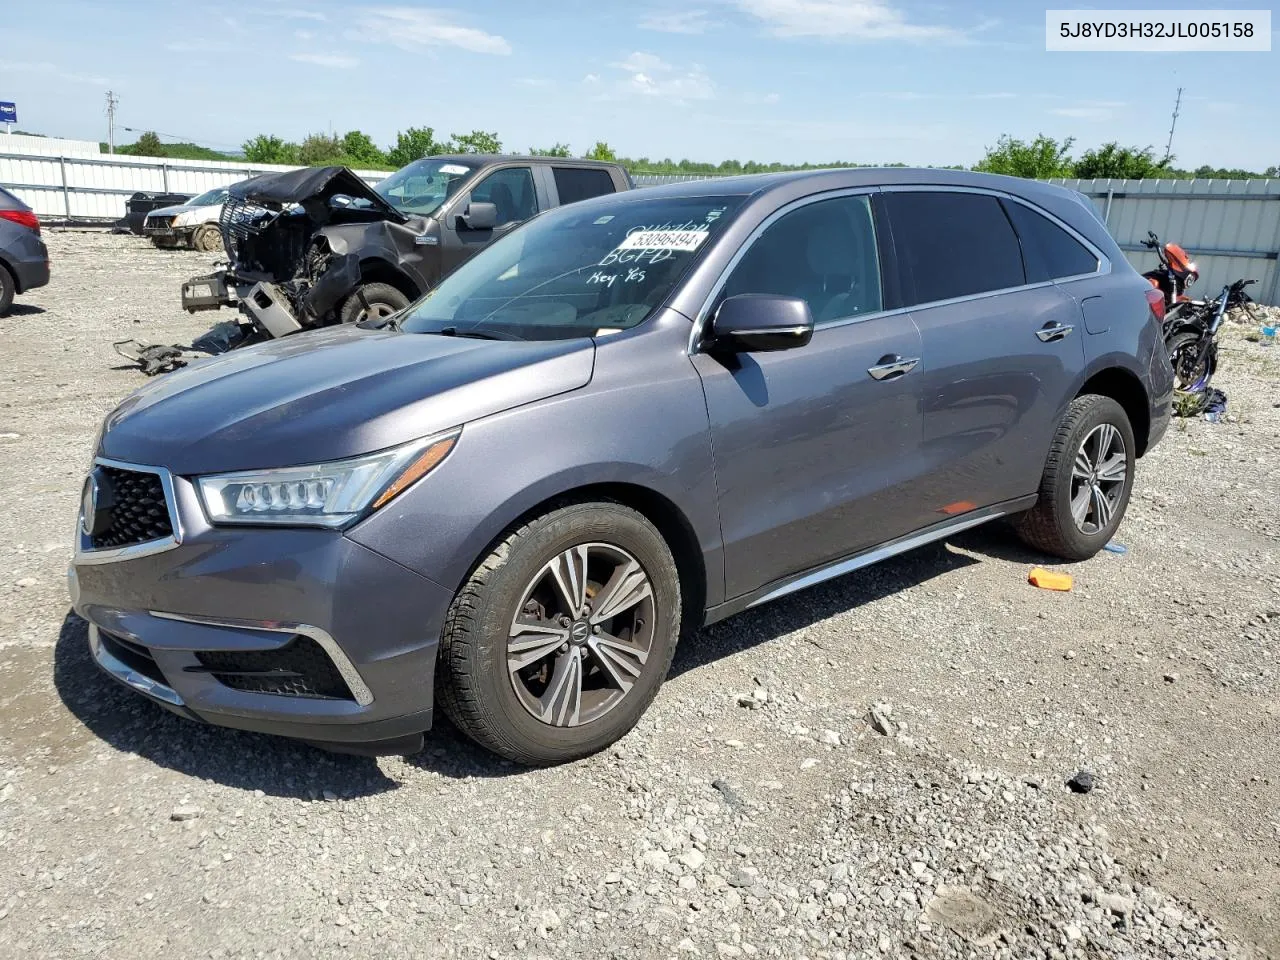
(952, 244)
(577, 183)
(1051, 253)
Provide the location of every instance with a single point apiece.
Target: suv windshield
(575, 271)
(423, 185)
(209, 198)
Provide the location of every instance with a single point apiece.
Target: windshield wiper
(474, 334)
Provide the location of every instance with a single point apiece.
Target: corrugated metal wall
(1231, 228)
(96, 188)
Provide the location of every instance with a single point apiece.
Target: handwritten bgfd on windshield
(684, 240)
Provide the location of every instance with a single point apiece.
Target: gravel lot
(756, 811)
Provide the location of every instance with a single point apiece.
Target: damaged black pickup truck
(319, 246)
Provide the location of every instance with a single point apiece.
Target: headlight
(323, 495)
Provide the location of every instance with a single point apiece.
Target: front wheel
(372, 301)
(1087, 479)
(560, 639)
(207, 238)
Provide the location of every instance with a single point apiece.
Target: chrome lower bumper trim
(346, 669)
(126, 674)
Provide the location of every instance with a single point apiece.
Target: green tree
(319, 150)
(556, 150)
(1122, 163)
(602, 151)
(148, 145)
(1040, 159)
(477, 141)
(362, 151)
(414, 144)
(265, 148)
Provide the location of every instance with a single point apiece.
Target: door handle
(892, 366)
(1053, 331)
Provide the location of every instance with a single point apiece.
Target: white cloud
(1090, 110)
(591, 78)
(294, 13)
(304, 34)
(52, 70)
(852, 19)
(651, 76)
(534, 82)
(333, 60)
(413, 28)
(687, 21)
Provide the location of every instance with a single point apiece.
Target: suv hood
(332, 394)
(172, 211)
(313, 187)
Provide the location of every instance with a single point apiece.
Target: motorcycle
(1175, 273)
(1191, 336)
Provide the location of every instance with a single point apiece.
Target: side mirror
(754, 322)
(479, 216)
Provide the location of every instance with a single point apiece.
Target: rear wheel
(371, 301)
(559, 641)
(7, 289)
(1087, 479)
(207, 238)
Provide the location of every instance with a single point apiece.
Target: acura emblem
(95, 504)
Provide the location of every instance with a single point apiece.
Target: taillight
(1155, 299)
(23, 218)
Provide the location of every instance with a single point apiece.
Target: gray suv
(632, 416)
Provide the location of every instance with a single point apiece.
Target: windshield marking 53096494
(571, 272)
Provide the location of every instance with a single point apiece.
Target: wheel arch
(655, 507)
(1125, 388)
(378, 270)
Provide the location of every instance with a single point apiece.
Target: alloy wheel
(376, 311)
(1098, 477)
(581, 635)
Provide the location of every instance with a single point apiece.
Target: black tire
(382, 299)
(473, 682)
(1181, 347)
(207, 238)
(1050, 525)
(8, 287)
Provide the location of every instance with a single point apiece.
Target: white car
(193, 224)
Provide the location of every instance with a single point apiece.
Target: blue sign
(8, 112)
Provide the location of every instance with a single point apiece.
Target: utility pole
(112, 102)
(1168, 147)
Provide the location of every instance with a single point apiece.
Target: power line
(179, 137)
(112, 102)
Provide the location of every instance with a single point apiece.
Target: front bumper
(168, 236)
(158, 618)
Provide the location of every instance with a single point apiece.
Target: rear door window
(578, 183)
(1051, 252)
(951, 244)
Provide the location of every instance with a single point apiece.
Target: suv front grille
(262, 241)
(139, 511)
(300, 668)
(158, 222)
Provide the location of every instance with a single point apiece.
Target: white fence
(86, 189)
(1231, 228)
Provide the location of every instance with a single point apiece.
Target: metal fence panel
(90, 189)
(1230, 227)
